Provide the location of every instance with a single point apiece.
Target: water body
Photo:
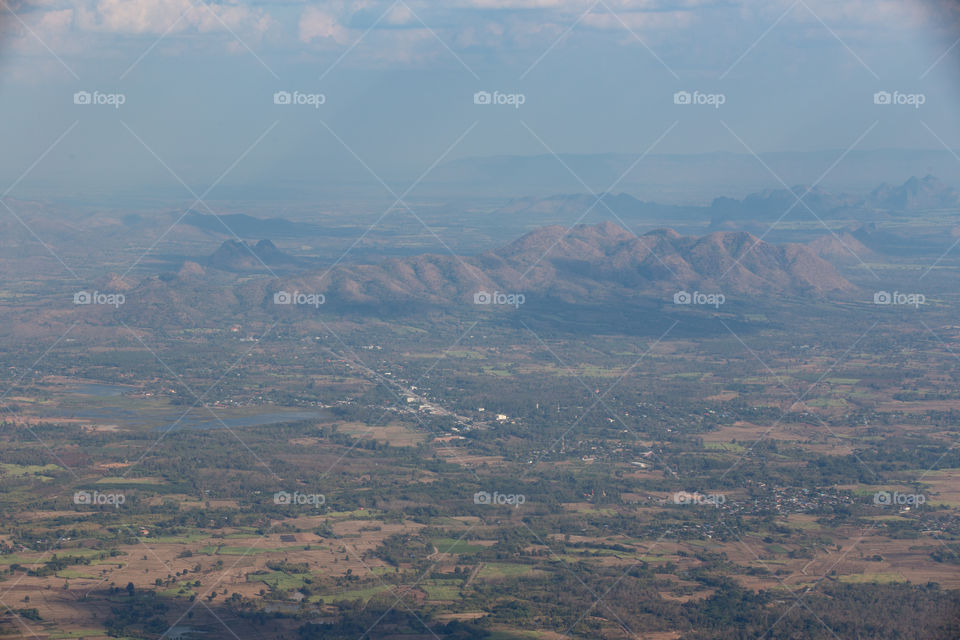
(172, 417)
(198, 418)
(258, 420)
(99, 389)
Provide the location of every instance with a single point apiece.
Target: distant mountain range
(236, 255)
(916, 194)
(913, 195)
(571, 207)
(677, 178)
(587, 265)
(754, 212)
(249, 227)
(245, 226)
(589, 262)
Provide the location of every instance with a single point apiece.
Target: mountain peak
(591, 262)
(237, 255)
(916, 193)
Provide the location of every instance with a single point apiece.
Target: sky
(188, 97)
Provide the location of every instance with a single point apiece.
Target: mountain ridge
(589, 262)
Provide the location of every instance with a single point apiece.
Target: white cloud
(146, 17)
(850, 14)
(484, 27)
(318, 24)
(56, 21)
(400, 14)
(639, 20)
(524, 4)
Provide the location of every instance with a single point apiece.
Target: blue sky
(398, 80)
